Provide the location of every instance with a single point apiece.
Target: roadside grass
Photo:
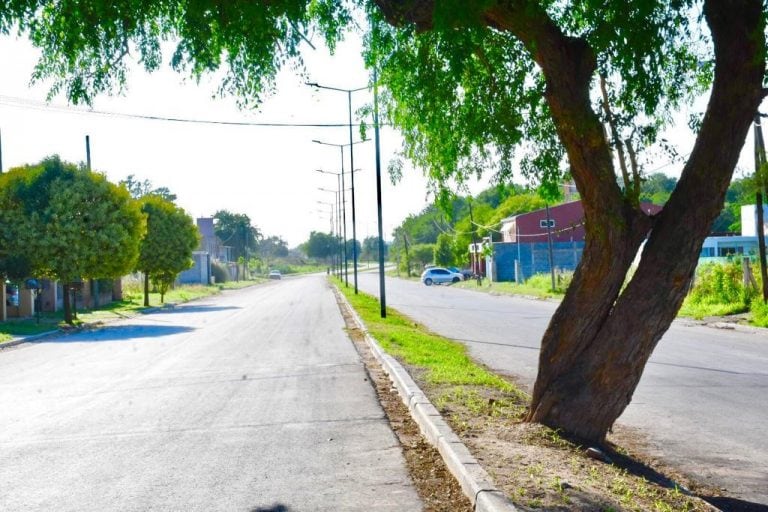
(700, 311)
(443, 361)
(237, 285)
(511, 288)
(534, 465)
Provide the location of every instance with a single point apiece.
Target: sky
(267, 173)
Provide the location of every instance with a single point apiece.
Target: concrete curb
(474, 480)
(25, 339)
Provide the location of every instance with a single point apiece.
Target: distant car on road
(439, 275)
(275, 274)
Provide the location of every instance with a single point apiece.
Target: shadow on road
(273, 508)
(197, 308)
(734, 505)
(119, 333)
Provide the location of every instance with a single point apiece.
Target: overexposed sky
(265, 172)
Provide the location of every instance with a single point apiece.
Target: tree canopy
(235, 230)
(321, 245)
(166, 248)
(69, 223)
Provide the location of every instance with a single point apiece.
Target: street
(701, 402)
(252, 400)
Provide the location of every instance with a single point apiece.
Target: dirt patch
(540, 470)
(435, 484)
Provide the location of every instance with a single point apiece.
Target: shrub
(718, 283)
(759, 312)
(544, 281)
(220, 272)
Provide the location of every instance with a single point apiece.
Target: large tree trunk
(599, 341)
(600, 338)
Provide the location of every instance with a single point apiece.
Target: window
(543, 223)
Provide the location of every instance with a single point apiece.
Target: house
(718, 248)
(524, 249)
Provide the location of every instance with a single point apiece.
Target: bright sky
(267, 173)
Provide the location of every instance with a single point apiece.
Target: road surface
(253, 400)
(701, 401)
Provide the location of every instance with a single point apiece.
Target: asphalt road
(253, 400)
(701, 404)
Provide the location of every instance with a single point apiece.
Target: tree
(273, 247)
(657, 188)
(322, 245)
(235, 231)
(468, 83)
(77, 224)
(370, 250)
(166, 248)
(443, 253)
(139, 189)
(422, 254)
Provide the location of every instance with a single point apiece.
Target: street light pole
(344, 209)
(352, 171)
(341, 208)
(382, 291)
(351, 167)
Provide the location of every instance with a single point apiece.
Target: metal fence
(520, 261)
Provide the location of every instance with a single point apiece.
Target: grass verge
(535, 466)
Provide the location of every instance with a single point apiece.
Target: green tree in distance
(235, 231)
(321, 245)
(443, 254)
(79, 225)
(472, 84)
(139, 189)
(166, 248)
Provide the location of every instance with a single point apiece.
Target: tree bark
(67, 303)
(146, 289)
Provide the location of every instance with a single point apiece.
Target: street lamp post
(351, 164)
(343, 195)
(341, 214)
(331, 208)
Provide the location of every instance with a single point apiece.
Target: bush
(759, 312)
(220, 272)
(544, 281)
(718, 283)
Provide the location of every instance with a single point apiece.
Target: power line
(38, 105)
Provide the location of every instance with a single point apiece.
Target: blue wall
(534, 258)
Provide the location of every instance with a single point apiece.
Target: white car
(275, 274)
(440, 275)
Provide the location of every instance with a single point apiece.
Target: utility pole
(759, 190)
(382, 291)
(551, 256)
(88, 152)
(475, 257)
